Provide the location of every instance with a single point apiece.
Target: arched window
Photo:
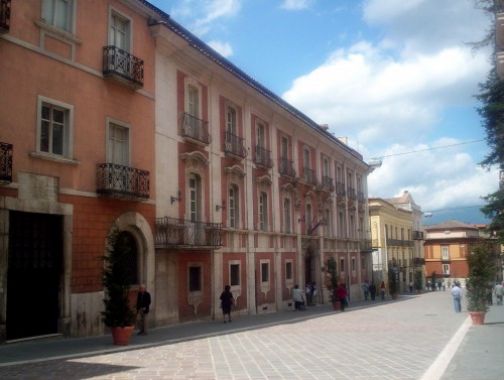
(308, 218)
(233, 207)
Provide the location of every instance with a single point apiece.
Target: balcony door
(119, 32)
(195, 231)
(118, 145)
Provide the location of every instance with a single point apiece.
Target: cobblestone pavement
(397, 340)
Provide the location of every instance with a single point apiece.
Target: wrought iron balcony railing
(360, 196)
(5, 11)
(123, 65)
(263, 157)
(340, 189)
(119, 181)
(309, 176)
(418, 235)
(365, 246)
(195, 129)
(327, 183)
(418, 261)
(5, 162)
(400, 243)
(286, 168)
(173, 232)
(351, 193)
(234, 145)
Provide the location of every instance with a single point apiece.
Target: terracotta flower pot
(478, 317)
(122, 335)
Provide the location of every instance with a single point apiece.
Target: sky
(388, 76)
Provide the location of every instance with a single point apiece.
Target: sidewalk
(481, 354)
(64, 348)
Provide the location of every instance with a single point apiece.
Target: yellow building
(396, 240)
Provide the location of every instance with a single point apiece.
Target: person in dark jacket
(142, 307)
(341, 293)
(227, 301)
(372, 291)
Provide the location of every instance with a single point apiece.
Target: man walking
(142, 307)
(499, 291)
(456, 293)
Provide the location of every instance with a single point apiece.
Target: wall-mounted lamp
(219, 207)
(175, 199)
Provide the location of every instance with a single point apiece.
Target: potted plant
(333, 282)
(118, 314)
(482, 269)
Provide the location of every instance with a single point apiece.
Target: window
(234, 274)
(261, 139)
(118, 144)
(231, 121)
(445, 252)
(233, 206)
(338, 174)
(328, 222)
(193, 106)
(349, 180)
(353, 264)
(363, 263)
(119, 32)
(287, 215)
(264, 272)
(446, 268)
(284, 148)
(263, 211)
(402, 233)
(288, 270)
(55, 127)
(352, 226)
(195, 279)
(342, 265)
(58, 13)
(386, 232)
(341, 227)
(308, 218)
(325, 167)
(306, 158)
(194, 197)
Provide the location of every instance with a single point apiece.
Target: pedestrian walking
(142, 307)
(314, 293)
(456, 293)
(227, 302)
(365, 289)
(308, 293)
(499, 292)
(372, 291)
(341, 293)
(382, 290)
(411, 287)
(297, 297)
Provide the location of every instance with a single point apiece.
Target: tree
(482, 270)
(491, 111)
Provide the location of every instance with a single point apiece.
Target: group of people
(370, 290)
(456, 293)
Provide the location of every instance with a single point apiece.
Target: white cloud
(202, 14)
(437, 179)
(295, 5)
(371, 95)
(223, 48)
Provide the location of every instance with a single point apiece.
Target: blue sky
(392, 76)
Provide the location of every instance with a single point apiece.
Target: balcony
(122, 66)
(194, 129)
(340, 189)
(351, 194)
(180, 233)
(327, 183)
(263, 157)
(365, 246)
(122, 182)
(5, 162)
(5, 8)
(234, 145)
(286, 168)
(418, 235)
(418, 261)
(309, 176)
(400, 243)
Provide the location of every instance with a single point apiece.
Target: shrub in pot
(482, 270)
(116, 280)
(333, 282)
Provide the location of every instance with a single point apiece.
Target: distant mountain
(469, 215)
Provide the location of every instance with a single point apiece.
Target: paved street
(395, 340)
